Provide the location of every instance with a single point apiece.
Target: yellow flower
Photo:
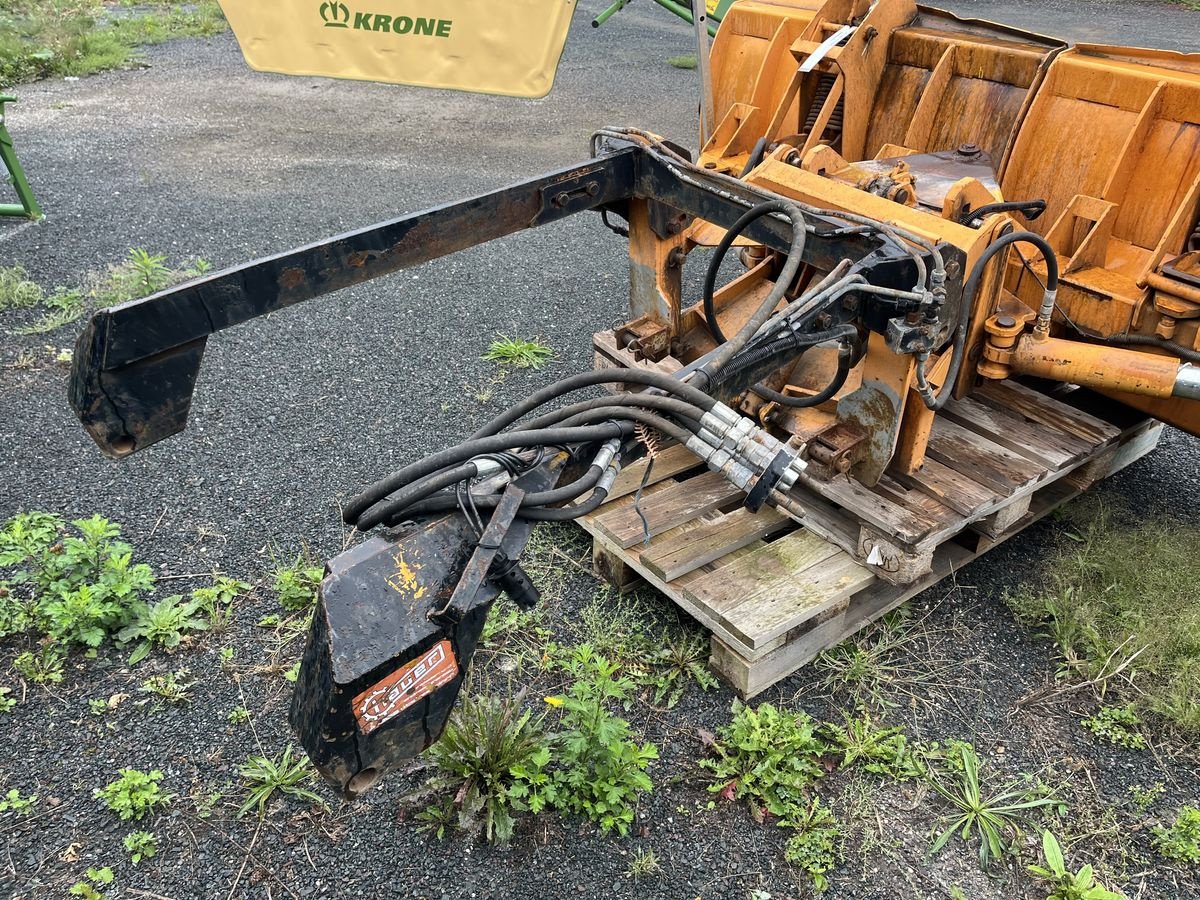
(554, 701)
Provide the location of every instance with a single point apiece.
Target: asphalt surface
(195, 155)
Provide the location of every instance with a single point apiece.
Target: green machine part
(28, 207)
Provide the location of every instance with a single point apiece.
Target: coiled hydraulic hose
(970, 289)
(845, 355)
(735, 231)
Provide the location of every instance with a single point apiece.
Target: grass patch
(518, 352)
(141, 273)
(1121, 595)
(43, 38)
(686, 61)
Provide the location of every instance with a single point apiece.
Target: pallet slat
(672, 558)
(672, 506)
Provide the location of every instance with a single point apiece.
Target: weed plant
(1063, 883)
(41, 38)
(519, 353)
(1119, 591)
(134, 793)
(285, 773)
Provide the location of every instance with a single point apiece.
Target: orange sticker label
(412, 682)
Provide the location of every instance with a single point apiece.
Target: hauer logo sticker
(337, 15)
(412, 682)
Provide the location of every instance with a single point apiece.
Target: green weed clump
(494, 760)
(773, 759)
(42, 38)
(1118, 725)
(76, 584)
(1065, 884)
(1121, 596)
(519, 352)
(489, 759)
(296, 584)
(286, 773)
(138, 275)
(134, 793)
(1181, 840)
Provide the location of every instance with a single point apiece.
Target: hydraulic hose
(783, 346)
(678, 408)
(448, 502)
(435, 462)
(405, 494)
(609, 413)
(970, 289)
(582, 380)
(396, 509)
(826, 393)
(1147, 340)
(799, 236)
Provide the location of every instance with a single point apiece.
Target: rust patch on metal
(290, 279)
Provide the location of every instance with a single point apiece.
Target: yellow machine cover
(509, 48)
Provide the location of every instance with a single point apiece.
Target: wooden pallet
(775, 593)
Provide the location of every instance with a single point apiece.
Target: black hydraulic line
(435, 462)
(678, 408)
(392, 507)
(565, 513)
(1148, 340)
(417, 490)
(756, 156)
(714, 266)
(395, 512)
(783, 345)
(970, 288)
(609, 413)
(445, 502)
(795, 258)
(590, 379)
(826, 393)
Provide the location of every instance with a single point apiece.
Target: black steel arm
(136, 364)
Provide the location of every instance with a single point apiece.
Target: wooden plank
(779, 561)
(1055, 414)
(672, 558)
(902, 495)
(908, 524)
(979, 459)
(952, 488)
(672, 461)
(1049, 447)
(674, 505)
(776, 607)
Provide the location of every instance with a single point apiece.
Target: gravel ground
(196, 155)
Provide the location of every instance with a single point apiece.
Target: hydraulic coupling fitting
(746, 454)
